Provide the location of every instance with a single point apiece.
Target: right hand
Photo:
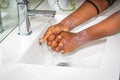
(67, 41)
(55, 29)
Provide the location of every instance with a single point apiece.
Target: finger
(58, 40)
(54, 43)
(51, 37)
(44, 38)
(60, 46)
(59, 37)
(49, 43)
(62, 49)
(50, 40)
(46, 35)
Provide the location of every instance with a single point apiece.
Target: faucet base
(25, 34)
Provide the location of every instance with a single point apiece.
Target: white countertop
(109, 69)
(14, 46)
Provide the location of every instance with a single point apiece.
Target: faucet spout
(46, 13)
(24, 14)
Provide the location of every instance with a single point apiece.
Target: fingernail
(60, 45)
(57, 49)
(59, 37)
(62, 51)
(40, 41)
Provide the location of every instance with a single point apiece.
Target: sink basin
(87, 56)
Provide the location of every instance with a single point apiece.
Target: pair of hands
(61, 40)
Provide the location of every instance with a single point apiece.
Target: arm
(107, 27)
(67, 41)
(82, 14)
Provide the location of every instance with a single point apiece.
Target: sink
(87, 56)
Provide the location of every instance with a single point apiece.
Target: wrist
(65, 28)
(83, 35)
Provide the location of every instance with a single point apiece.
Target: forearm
(107, 27)
(84, 13)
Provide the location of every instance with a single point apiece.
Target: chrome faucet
(24, 14)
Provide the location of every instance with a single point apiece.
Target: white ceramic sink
(87, 56)
(28, 50)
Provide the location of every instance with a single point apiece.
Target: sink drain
(63, 64)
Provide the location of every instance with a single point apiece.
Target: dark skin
(73, 20)
(70, 41)
(67, 41)
(62, 40)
